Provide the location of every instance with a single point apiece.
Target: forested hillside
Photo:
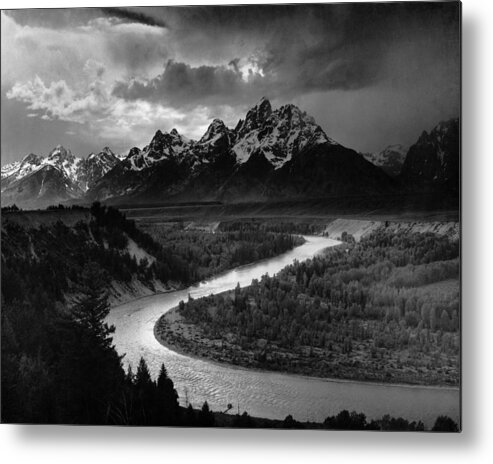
(386, 308)
(58, 362)
(232, 245)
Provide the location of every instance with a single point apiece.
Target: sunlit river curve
(260, 393)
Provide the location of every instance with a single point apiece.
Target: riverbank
(174, 333)
(260, 392)
(120, 293)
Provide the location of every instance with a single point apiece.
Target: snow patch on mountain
(390, 159)
(163, 146)
(278, 134)
(78, 173)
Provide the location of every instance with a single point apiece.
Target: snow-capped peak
(19, 169)
(390, 159)
(397, 148)
(65, 161)
(278, 134)
(104, 156)
(255, 117)
(32, 159)
(215, 130)
(78, 172)
(59, 153)
(163, 145)
(10, 169)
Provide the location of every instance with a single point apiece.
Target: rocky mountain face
(37, 181)
(433, 162)
(96, 165)
(389, 159)
(270, 155)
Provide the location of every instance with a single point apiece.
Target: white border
(82, 445)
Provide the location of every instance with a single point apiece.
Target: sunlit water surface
(260, 393)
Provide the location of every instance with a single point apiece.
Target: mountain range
(434, 160)
(390, 159)
(280, 154)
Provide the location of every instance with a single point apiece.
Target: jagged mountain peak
(291, 109)
(218, 123)
(447, 125)
(397, 147)
(105, 156)
(167, 137)
(272, 153)
(442, 129)
(434, 160)
(19, 169)
(279, 134)
(133, 152)
(108, 151)
(390, 159)
(60, 153)
(255, 117)
(264, 106)
(164, 145)
(32, 159)
(59, 176)
(216, 129)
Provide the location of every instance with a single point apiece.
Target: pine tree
(445, 424)
(91, 310)
(206, 417)
(145, 397)
(190, 419)
(143, 376)
(167, 399)
(89, 374)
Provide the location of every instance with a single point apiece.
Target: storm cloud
(307, 49)
(372, 74)
(181, 83)
(133, 16)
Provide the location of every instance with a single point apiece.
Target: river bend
(265, 394)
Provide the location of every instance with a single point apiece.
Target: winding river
(260, 393)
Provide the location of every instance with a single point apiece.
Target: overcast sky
(371, 74)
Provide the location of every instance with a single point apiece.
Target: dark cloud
(235, 64)
(346, 47)
(307, 49)
(371, 73)
(181, 83)
(59, 18)
(134, 16)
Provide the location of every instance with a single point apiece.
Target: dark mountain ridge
(271, 155)
(433, 162)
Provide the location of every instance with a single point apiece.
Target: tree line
(381, 296)
(208, 254)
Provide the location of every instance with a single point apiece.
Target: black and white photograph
(233, 216)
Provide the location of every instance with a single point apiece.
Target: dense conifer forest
(210, 253)
(386, 308)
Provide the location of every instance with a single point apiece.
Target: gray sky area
(371, 74)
